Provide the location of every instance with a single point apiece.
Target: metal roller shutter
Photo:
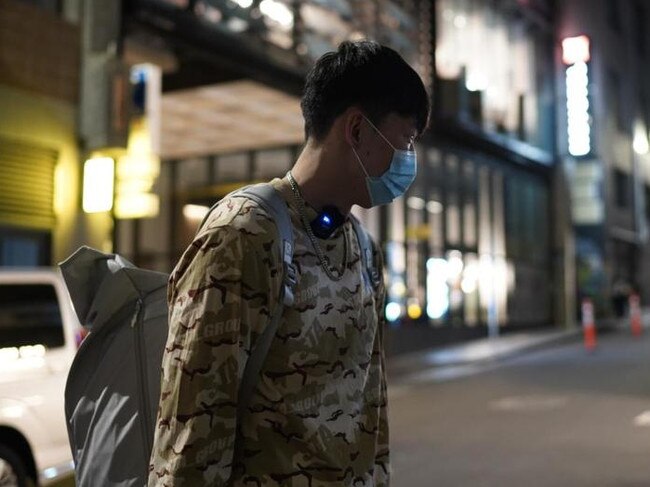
(26, 185)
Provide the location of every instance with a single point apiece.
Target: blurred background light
(99, 174)
(575, 50)
(277, 12)
(640, 143)
(437, 288)
(244, 3)
(195, 212)
(393, 311)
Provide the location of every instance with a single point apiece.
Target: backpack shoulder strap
(269, 198)
(371, 272)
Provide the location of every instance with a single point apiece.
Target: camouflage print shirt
(318, 415)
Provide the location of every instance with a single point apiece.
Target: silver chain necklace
(324, 261)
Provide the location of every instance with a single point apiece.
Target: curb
(484, 351)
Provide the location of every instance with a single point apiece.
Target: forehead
(399, 125)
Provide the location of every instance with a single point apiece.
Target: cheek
(379, 161)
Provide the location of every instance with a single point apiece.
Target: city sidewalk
(450, 361)
(461, 359)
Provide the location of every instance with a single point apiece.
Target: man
(318, 413)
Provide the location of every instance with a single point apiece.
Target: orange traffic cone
(588, 325)
(635, 315)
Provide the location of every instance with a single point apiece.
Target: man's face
(376, 153)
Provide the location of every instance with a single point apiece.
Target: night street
(553, 417)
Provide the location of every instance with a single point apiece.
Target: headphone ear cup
(327, 221)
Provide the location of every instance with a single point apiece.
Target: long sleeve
(220, 296)
(382, 456)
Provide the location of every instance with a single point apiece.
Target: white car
(39, 336)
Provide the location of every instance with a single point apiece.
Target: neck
(321, 181)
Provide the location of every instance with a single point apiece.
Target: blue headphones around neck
(327, 221)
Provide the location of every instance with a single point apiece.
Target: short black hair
(367, 74)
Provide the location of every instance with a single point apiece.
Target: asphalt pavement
(523, 413)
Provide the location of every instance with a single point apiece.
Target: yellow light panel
(99, 176)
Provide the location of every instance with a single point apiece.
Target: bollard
(635, 315)
(588, 325)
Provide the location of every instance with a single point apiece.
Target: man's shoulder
(243, 215)
(238, 212)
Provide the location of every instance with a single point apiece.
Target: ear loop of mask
(411, 147)
(359, 160)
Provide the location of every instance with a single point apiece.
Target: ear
(352, 124)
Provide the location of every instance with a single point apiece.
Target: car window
(30, 315)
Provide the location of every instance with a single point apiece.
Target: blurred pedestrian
(318, 412)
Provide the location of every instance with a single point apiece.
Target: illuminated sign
(137, 172)
(575, 50)
(138, 169)
(575, 53)
(98, 184)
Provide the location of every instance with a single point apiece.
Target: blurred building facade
(38, 143)
(604, 84)
(178, 102)
(471, 247)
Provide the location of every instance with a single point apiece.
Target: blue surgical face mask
(396, 180)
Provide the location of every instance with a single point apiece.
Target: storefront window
(272, 163)
(470, 287)
(24, 248)
(417, 233)
(469, 204)
(526, 219)
(192, 173)
(453, 202)
(233, 167)
(434, 204)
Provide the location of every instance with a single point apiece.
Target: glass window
(614, 96)
(233, 167)
(470, 288)
(498, 215)
(417, 233)
(452, 210)
(469, 205)
(434, 203)
(622, 188)
(485, 213)
(20, 248)
(193, 173)
(487, 59)
(613, 12)
(526, 219)
(20, 251)
(272, 163)
(30, 315)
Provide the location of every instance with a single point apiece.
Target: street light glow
(99, 174)
(640, 143)
(393, 311)
(278, 12)
(195, 212)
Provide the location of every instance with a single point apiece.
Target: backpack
(113, 386)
